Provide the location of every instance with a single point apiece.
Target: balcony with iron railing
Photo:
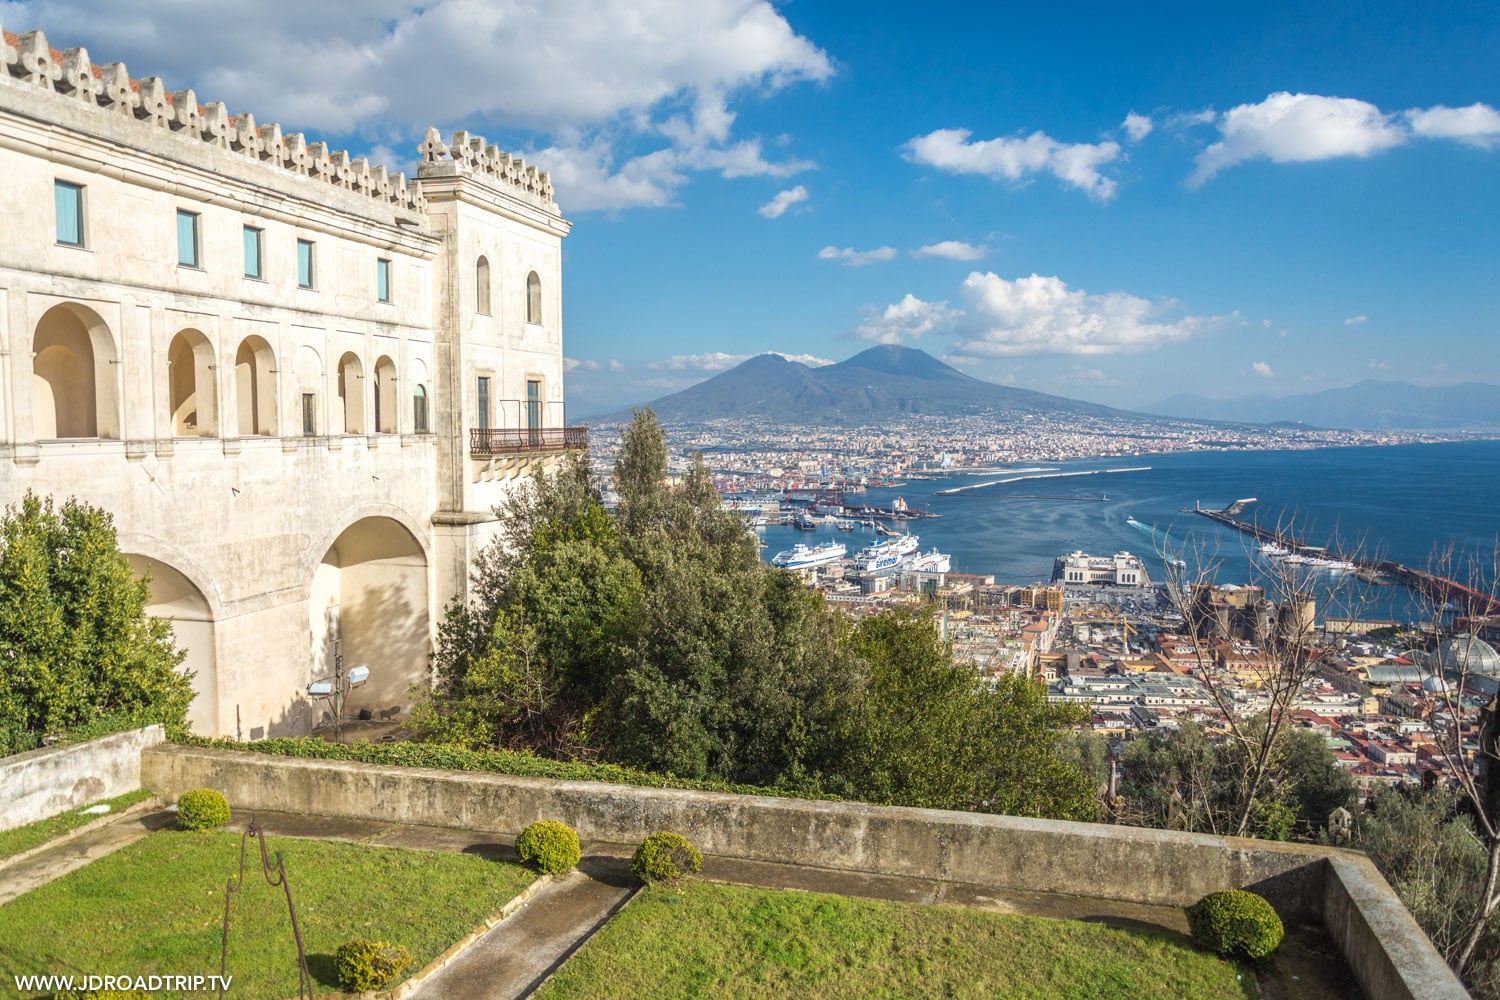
(528, 428)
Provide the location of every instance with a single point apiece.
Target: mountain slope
(1368, 405)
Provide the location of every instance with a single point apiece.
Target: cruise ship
(801, 556)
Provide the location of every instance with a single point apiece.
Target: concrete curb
(578, 945)
(146, 805)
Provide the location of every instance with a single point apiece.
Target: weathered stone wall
(1381, 942)
(45, 782)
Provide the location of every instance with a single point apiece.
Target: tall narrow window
(483, 402)
(533, 404)
(187, 238)
(254, 242)
(419, 410)
(482, 287)
(383, 280)
(68, 199)
(305, 273)
(309, 415)
(533, 298)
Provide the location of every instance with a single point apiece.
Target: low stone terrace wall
(45, 782)
(1387, 951)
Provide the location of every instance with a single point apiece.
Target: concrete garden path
(56, 858)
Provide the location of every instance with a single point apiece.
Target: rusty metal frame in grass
(275, 875)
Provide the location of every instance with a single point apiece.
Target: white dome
(1435, 684)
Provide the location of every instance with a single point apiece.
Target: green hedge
(202, 809)
(548, 845)
(1236, 923)
(364, 965)
(665, 857)
(457, 758)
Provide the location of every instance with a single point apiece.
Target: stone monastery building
(298, 382)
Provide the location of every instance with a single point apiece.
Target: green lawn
(24, 838)
(157, 907)
(707, 940)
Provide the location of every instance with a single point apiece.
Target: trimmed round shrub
(548, 845)
(665, 857)
(369, 965)
(201, 809)
(1235, 923)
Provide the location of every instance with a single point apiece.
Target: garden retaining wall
(1388, 952)
(41, 783)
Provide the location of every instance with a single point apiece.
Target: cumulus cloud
(1476, 125)
(1137, 126)
(1262, 369)
(1038, 315)
(777, 206)
(952, 250)
(615, 366)
(1356, 320)
(1015, 158)
(716, 361)
(908, 319)
(651, 80)
(574, 364)
(857, 258)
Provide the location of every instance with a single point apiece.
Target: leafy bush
(665, 857)
(201, 809)
(1235, 923)
(369, 965)
(550, 845)
(103, 995)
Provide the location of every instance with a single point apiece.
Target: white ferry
(931, 561)
(885, 555)
(801, 556)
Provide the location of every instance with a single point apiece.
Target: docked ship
(931, 561)
(886, 555)
(801, 556)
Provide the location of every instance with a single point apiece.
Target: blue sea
(1407, 503)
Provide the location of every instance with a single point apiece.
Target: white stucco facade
(264, 359)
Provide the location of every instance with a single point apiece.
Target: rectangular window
(187, 238)
(419, 411)
(533, 404)
(254, 241)
(305, 263)
(484, 402)
(69, 201)
(309, 415)
(383, 280)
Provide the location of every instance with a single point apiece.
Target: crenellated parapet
(475, 157)
(30, 60)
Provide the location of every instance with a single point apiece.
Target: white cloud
(574, 364)
(1137, 126)
(810, 360)
(1376, 365)
(615, 366)
(908, 319)
(1262, 369)
(1476, 125)
(777, 206)
(1297, 128)
(857, 258)
(1266, 324)
(717, 361)
(647, 84)
(1014, 158)
(1356, 320)
(951, 249)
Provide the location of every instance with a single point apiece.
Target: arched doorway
(73, 378)
(386, 412)
(190, 385)
(369, 604)
(255, 387)
(352, 393)
(176, 598)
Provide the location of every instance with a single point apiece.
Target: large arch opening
(255, 387)
(351, 393)
(386, 411)
(176, 598)
(190, 385)
(369, 605)
(74, 394)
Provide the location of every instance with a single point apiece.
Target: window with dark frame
(68, 200)
(254, 244)
(305, 273)
(187, 239)
(383, 280)
(483, 403)
(419, 410)
(309, 415)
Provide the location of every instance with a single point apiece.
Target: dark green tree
(76, 646)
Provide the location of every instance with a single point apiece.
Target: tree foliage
(76, 645)
(658, 639)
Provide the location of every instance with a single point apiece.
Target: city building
(299, 383)
(1121, 569)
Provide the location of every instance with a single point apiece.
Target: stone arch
(190, 385)
(75, 391)
(482, 286)
(351, 384)
(368, 603)
(255, 387)
(175, 597)
(533, 298)
(387, 413)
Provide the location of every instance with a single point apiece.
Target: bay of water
(1406, 503)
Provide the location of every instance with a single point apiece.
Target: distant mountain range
(1368, 405)
(879, 382)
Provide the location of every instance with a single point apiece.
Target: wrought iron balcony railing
(522, 440)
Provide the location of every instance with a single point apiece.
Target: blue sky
(1111, 202)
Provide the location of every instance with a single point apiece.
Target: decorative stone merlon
(30, 59)
(475, 157)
